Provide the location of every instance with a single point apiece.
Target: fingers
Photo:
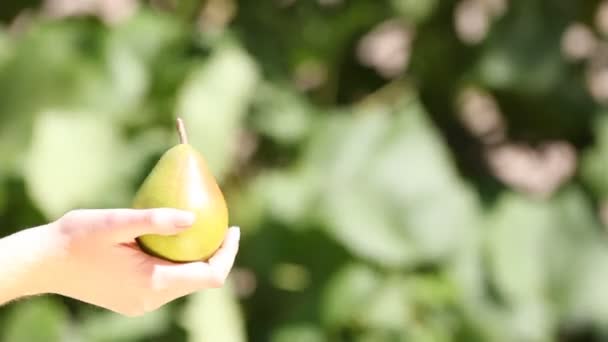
(200, 275)
(162, 221)
(223, 260)
(127, 224)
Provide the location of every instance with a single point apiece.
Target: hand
(97, 260)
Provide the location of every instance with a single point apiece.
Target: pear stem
(181, 130)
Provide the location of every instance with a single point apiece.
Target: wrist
(31, 257)
(46, 268)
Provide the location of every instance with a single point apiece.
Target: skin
(91, 255)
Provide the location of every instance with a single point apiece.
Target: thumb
(161, 221)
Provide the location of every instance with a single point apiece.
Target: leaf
(531, 321)
(71, 161)
(282, 115)
(523, 53)
(133, 163)
(127, 82)
(6, 47)
(388, 336)
(298, 332)
(214, 315)
(575, 228)
(148, 34)
(415, 10)
(519, 230)
(518, 248)
(143, 66)
(36, 320)
(594, 163)
(348, 206)
(287, 195)
(538, 252)
(389, 308)
(246, 208)
(49, 69)
(530, 242)
(213, 102)
(107, 326)
(387, 187)
(578, 261)
(352, 287)
(417, 306)
(588, 302)
(4, 193)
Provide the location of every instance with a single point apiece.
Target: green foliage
(108, 326)
(207, 100)
(372, 207)
(214, 315)
(54, 164)
(51, 321)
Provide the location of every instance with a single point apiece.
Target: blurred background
(402, 170)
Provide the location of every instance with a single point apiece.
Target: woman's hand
(91, 255)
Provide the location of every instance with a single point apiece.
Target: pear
(181, 180)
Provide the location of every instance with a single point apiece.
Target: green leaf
(415, 10)
(107, 326)
(148, 34)
(36, 320)
(388, 189)
(575, 228)
(301, 332)
(419, 307)
(49, 69)
(387, 336)
(72, 161)
(282, 115)
(214, 315)
(530, 241)
(352, 287)
(389, 308)
(516, 241)
(6, 47)
(127, 82)
(214, 101)
(594, 161)
(518, 247)
(246, 208)
(538, 253)
(523, 53)
(531, 321)
(286, 195)
(588, 302)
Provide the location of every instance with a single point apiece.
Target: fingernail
(184, 220)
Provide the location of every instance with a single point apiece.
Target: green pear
(181, 180)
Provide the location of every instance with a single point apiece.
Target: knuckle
(146, 218)
(68, 219)
(111, 219)
(152, 217)
(68, 225)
